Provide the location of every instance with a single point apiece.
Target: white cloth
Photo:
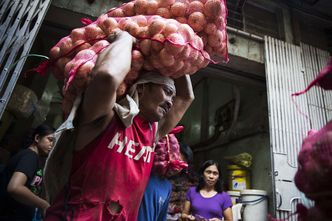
(126, 109)
(236, 210)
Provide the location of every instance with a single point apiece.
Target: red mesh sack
(323, 79)
(313, 213)
(167, 159)
(164, 45)
(206, 17)
(314, 174)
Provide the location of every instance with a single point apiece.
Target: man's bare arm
(110, 70)
(183, 99)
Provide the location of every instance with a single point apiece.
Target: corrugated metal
(319, 101)
(20, 21)
(288, 127)
(289, 69)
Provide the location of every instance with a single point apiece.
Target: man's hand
(118, 33)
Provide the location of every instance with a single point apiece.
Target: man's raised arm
(110, 70)
(183, 99)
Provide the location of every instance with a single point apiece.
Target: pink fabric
(113, 168)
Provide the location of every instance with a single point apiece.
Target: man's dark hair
(187, 153)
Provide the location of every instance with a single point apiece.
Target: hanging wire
(25, 56)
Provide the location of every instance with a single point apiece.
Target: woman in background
(207, 201)
(21, 180)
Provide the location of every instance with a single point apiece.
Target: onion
(116, 13)
(157, 26)
(61, 63)
(93, 32)
(140, 7)
(152, 7)
(137, 60)
(182, 20)
(65, 46)
(217, 39)
(99, 45)
(108, 25)
(77, 34)
(170, 29)
(80, 45)
(141, 20)
(68, 68)
(166, 3)
(197, 21)
(157, 43)
(147, 65)
(143, 32)
(55, 52)
(212, 8)
(220, 23)
(210, 29)
(178, 9)
(163, 12)
(195, 6)
(155, 63)
(145, 46)
(166, 58)
(185, 52)
(128, 9)
(176, 45)
(131, 27)
(187, 32)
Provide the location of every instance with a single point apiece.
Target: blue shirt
(155, 201)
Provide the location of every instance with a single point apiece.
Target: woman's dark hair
(187, 153)
(42, 130)
(201, 182)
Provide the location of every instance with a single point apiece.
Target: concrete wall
(83, 7)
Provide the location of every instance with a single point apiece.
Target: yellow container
(238, 178)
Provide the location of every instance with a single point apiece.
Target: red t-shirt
(114, 167)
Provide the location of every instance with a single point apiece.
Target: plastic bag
(206, 17)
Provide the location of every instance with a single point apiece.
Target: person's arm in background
(228, 214)
(17, 189)
(183, 99)
(186, 212)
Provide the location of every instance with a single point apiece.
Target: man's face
(155, 101)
